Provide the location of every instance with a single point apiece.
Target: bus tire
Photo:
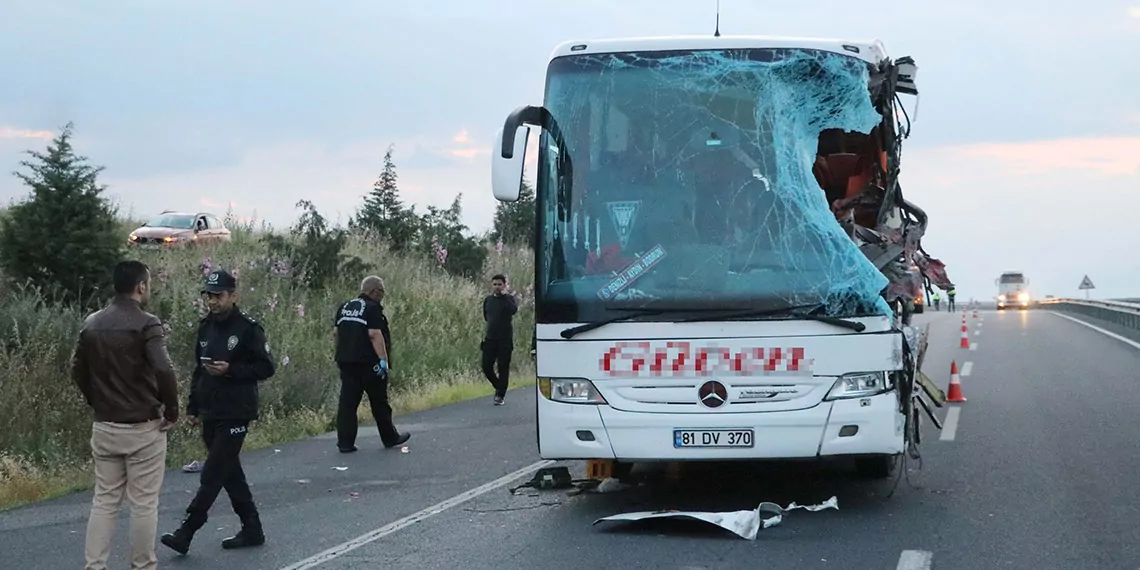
(621, 470)
(878, 467)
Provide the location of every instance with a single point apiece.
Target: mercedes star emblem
(712, 394)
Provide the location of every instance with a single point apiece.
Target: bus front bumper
(859, 426)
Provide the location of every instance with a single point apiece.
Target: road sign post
(1086, 285)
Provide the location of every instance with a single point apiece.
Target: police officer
(233, 357)
(363, 346)
(950, 299)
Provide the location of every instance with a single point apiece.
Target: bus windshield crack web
(708, 156)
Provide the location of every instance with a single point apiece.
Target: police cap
(219, 281)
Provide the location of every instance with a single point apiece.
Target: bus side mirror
(507, 163)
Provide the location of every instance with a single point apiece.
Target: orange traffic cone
(955, 394)
(975, 313)
(965, 338)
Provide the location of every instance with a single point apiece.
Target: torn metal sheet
(744, 524)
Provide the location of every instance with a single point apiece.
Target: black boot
(250, 534)
(179, 540)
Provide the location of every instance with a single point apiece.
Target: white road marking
(413, 518)
(950, 424)
(1127, 341)
(915, 560)
(967, 366)
(973, 346)
(976, 333)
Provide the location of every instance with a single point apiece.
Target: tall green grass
(436, 325)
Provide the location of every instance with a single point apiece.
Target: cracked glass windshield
(691, 182)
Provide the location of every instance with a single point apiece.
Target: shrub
(435, 318)
(64, 238)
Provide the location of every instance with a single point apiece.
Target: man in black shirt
(363, 353)
(498, 337)
(233, 357)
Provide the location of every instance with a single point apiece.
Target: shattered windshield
(690, 183)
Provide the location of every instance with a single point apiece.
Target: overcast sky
(1025, 153)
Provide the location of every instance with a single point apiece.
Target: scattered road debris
(341, 468)
(512, 509)
(548, 478)
(744, 524)
(610, 485)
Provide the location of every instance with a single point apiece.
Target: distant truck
(1012, 290)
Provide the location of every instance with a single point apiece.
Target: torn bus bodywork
(682, 177)
(859, 174)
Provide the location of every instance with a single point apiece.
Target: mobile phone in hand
(205, 359)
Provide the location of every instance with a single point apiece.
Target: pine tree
(514, 221)
(384, 213)
(64, 239)
(443, 227)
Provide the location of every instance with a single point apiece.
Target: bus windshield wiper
(575, 330)
(791, 311)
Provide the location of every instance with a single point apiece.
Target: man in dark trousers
(233, 357)
(498, 337)
(363, 346)
(124, 372)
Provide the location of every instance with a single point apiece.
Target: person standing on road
(498, 336)
(937, 300)
(950, 299)
(122, 367)
(363, 344)
(233, 357)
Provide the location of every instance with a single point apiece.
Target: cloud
(1134, 11)
(219, 207)
(18, 133)
(429, 154)
(1056, 209)
(267, 182)
(469, 153)
(1104, 156)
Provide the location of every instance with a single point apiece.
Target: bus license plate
(712, 438)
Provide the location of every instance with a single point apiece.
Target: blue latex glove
(381, 369)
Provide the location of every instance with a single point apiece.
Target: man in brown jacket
(122, 367)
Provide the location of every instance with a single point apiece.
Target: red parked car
(180, 229)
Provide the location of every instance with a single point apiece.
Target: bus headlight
(1023, 297)
(859, 385)
(570, 391)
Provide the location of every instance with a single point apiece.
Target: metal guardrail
(1117, 312)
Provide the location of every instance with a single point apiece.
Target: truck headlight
(570, 391)
(859, 385)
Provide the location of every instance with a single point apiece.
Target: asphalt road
(1038, 472)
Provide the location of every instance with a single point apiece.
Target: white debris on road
(743, 523)
(610, 485)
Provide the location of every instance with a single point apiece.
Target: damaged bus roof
(870, 51)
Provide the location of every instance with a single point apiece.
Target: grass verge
(45, 426)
